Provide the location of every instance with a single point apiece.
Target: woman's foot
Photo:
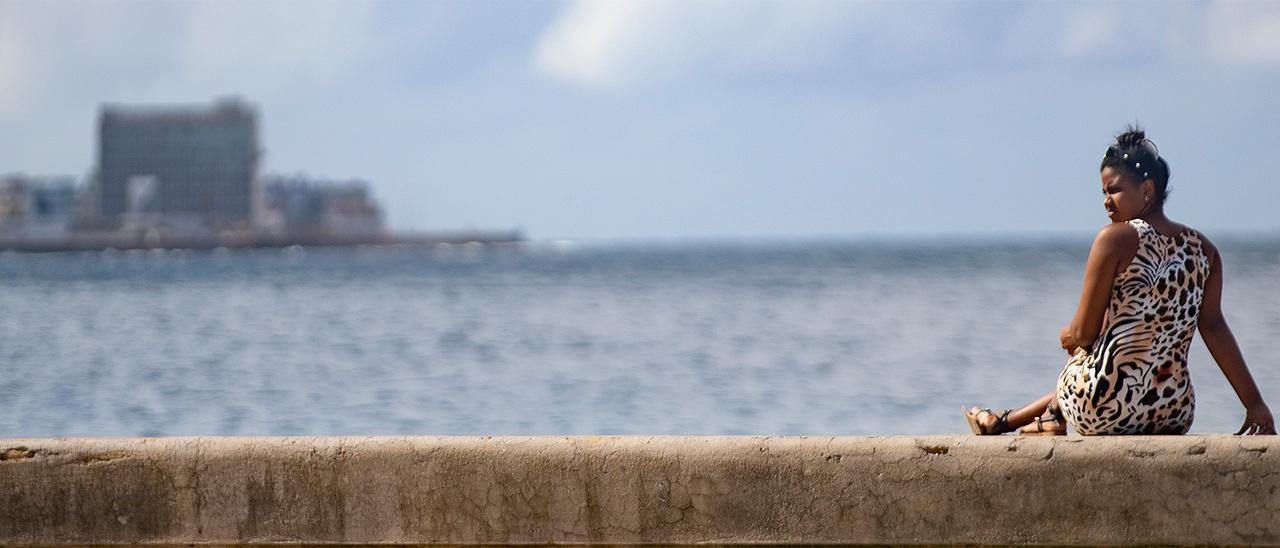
(985, 422)
(1050, 423)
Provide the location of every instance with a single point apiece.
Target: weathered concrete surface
(629, 490)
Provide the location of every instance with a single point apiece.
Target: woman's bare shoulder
(1117, 236)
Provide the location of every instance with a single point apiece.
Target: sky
(665, 119)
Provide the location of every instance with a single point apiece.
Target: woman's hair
(1135, 155)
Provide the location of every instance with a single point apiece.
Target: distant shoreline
(140, 240)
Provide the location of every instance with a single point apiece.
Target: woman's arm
(1222, 345)
(1114, 242)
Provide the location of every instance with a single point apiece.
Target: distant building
(36, 205)
(178, 165)
(304, 206)
(13, 201)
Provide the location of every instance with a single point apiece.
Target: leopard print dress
(1133, 379)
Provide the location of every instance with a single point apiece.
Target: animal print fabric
(1133, 379)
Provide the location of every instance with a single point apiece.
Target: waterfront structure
(179, 165)
(298, 204)
(186, 176)
(685, 491)
(36, 205)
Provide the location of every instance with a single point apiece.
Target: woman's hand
(1257, 420)
(1068, 342)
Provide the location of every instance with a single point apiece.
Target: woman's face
(1124, 198)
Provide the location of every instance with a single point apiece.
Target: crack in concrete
(15, 453)
(96, 458)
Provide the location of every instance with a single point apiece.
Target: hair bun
(1138, 159)
(1131, 136)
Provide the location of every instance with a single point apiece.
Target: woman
(1148, 284)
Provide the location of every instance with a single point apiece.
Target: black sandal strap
(1051, 414)
(1054, 413)
(1002, 421)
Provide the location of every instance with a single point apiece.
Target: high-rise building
(189, 163)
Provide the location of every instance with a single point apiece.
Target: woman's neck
(1157, 219)
(1154, 215)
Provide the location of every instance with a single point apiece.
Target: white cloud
(1225, 33)
(615, 42)
(612, 43)
(584, 43)
(1245, 34)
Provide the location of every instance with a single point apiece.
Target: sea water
(782, 338)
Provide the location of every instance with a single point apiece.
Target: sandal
(1052, 416)
(980, 429)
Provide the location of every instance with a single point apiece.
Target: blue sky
(672, 119)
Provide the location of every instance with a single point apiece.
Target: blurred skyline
(663, 119)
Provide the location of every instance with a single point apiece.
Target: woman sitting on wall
(1149, 283)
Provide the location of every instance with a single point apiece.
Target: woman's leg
(1019, 417)
(1024, 416)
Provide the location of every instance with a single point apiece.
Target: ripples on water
(818, 338)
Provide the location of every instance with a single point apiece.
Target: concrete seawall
(941, 490)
